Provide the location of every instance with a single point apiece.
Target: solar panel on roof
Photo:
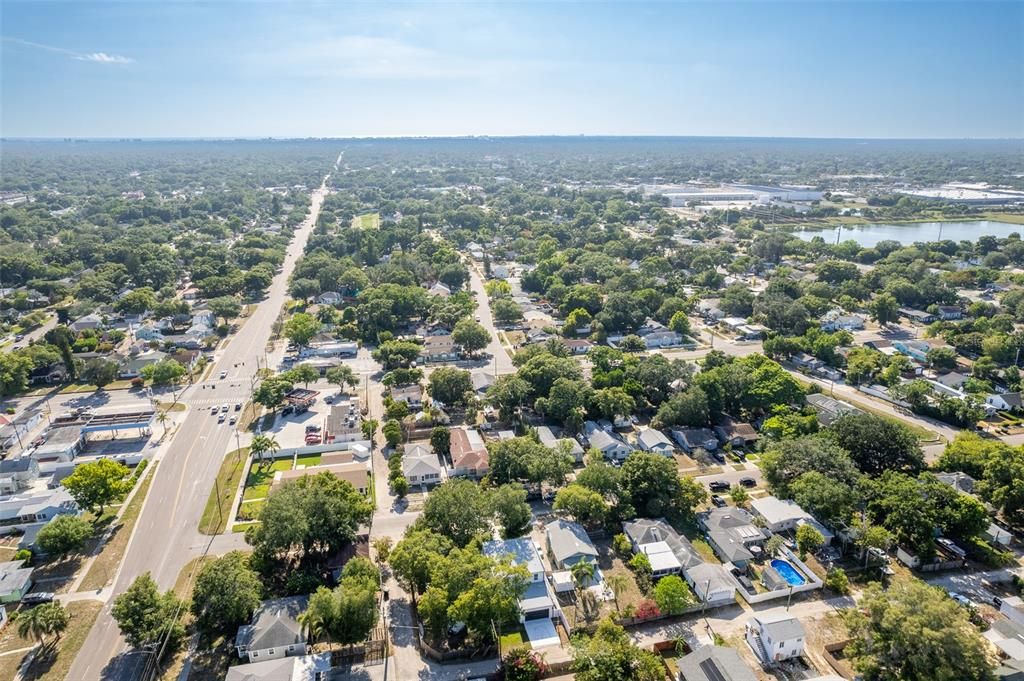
(711, 670)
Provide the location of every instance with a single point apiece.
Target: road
(167, 529)
(501, 362)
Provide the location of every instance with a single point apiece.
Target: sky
(328, 69)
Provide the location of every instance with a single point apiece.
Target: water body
(870, 234)
(788, 572)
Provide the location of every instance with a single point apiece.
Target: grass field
(367, 221)
(307, 460)
(104, 567)
(228, 477)
(257, 483)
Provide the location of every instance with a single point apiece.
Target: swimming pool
(788, 572)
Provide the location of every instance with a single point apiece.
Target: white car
(224, 374)
(961, 599)
(224, 408)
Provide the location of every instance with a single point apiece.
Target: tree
(313, 515)
(319, 615)
(1003, 484)
(415, 554)
(369, 428)
(382, 548)
(42, 621)
(64, 535)
(514, 514)
(471, 336)
(774, 545)
(95, 484)
(739, 495)
(787, 460)
(613, 402)
(146, 617)
(672, 595)
(100, 372)
(508, 394)
(541, 371)
(441, 440)
(523, 664)
(651, 483)
(877, 443)
(618, 582)
(226, 593)
(164, 372)
(808, 539)
(680, 323)
(304, 374)
(301, 328)
(491, 601)
(397, 354)
(225, 307)
(450, 386)
(341, 376)
(392, 432)
(585, 505)
(271, 391)
(610, 654)
(357, 611)
(433, 611)
(884, 308)
(823, 497)
(942, 358)
(582, 574)
(263, 447)
(913, 632)
(567, 402)
(458, 509)
(506, 311)
(687, 408)
(836, 580)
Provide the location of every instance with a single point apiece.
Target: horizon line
(258, 138)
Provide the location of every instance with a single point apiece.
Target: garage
(538, 614)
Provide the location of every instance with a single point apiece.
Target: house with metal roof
(654, 441)
(569, 544)
(275, 631)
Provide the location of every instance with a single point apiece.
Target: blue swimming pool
(788, 572)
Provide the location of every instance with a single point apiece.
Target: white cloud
(97, 57)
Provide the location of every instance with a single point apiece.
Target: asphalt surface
(167, 529)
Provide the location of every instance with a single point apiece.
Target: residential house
(149, 331)
(411, 394)
(775, 637)
(732, 534)
(470, 458)
(439, 289)
(711, 583)
(329, 298)
(961, 482)
(710, 311)
(49, 374)
(835, 320)
(953, 380)
(997, 535)
(1013, 608)
(63, 444)
(18, 474)
(1005, 401)
(15, 581)
(577, 346)
(440, 349)
(829, 409)
(646, 536)
(354, 473)
(187, 358)
(917, 316)
(275, 631)
(481, 381)
(714, 663)
(133, 366)
(35, 505)
(662, 559)
(537, 602)
(499, 272)
(950, 312)
(1008, 637)
(691, 439)
(421, 466)
(569, 544)
(316, 667)
(15, 429)
(548, 439)
(782, 515)
(808, 362)
(654, 441)
(609, 444)
(89, 321)
(737, 434)
(913, 348)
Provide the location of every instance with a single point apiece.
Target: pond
(870, 234)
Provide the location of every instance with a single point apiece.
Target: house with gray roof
(654, 441)
(732, 534)
(298, 668)
(714, 663)
(569, 544)
(646, 531)
(691, 439)
(775, 637)
(548, 439)
(275, 631)
(15, 580)
(537, 601)
(610, 445)
(711, 583)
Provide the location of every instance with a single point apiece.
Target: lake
(870, 234)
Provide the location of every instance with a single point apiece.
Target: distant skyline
(765, 69)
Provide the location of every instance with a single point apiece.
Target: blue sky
(822, 69)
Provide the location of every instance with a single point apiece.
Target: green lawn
(250, 510)
(257, 483)
(369, 221)
(215, 515)
(307, 460)
(512, 640)
(242, 527)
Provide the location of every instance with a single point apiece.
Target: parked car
(224, 374)
(220, 419)
(214, 409)
(718, 486)
(312, 428)
(997, 601)
(238, 406)
(224, 408)
(961, 599)
(718, 501)
(748, 482)
(232, 420)
(37, 598)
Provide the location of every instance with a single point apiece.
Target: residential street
(166, 534)
(501, 362)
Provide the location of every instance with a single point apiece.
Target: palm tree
(55, 618)
(618, 583)
(32, 624)
(161, 418)
(582, 573)
(262, 446)
(318, 615)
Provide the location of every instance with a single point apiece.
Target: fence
(814, 582)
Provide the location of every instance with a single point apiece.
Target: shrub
(622, 544)
(837, 581)
(647, 609)
(522, 664)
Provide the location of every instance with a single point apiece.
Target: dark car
(748, 482)
(718, 486)
(37, 598)
(717, 501)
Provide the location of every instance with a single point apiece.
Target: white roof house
(662, 559)
(537, 602)
(298, 668)
(652, 440)
(609, 445)
(783, 514)
(711, 583)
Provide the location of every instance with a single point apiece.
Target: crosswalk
(211, 401)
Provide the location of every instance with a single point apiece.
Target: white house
(420, 466)
(835, 320)
(780, 515)
(15, 580)
(439, 289)
(775, 637)
(315, 667)
(609, 445)
(711, 583)
(412, 395)
(651, 440)
(569, 544)
(275, 631)
(537, 602)
(329, 298)
(1005, 401)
